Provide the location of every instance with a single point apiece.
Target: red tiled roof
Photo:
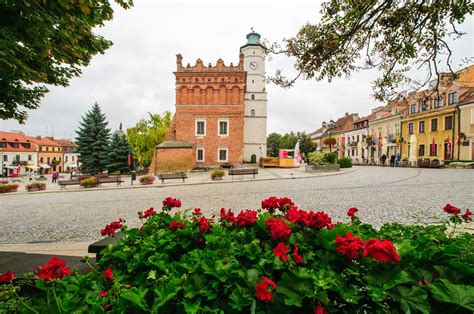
(44, 141)
(16, 137)
(64, 142)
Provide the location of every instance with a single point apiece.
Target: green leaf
(462, 295)
(240, 298)
(387, 279)
(136, 297)
(295, 289)
(190, 307)
(166, 293)
(376, 293)
(412, 300)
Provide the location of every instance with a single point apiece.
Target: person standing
(383, 159)
(55, 176)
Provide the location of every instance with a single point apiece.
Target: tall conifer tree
(93, 140)
(117, 157)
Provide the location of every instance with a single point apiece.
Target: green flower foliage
(172, 265)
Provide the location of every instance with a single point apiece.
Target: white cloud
(135, 76)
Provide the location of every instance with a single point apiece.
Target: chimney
(179, 61)
(347, 113)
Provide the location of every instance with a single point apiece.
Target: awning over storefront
(71, 165)
(45, 166)
(32, 166)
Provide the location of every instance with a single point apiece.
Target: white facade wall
(70, 159)
(255, 111)
(356, 150)
(11, 156)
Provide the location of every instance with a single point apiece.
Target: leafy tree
(93, 141)
(288, 141)
(273, 144)
(307, 145)
(46, 43)
(117, 156)
(387, 35)
(146, 134)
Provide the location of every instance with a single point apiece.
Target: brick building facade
(208, 126)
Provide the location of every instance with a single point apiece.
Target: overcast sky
(135, 75)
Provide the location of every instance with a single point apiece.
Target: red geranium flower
(7, 277)
(317, 220)
(263, 293)
(197, 212)
(246, 218)
(278, 228)
(450, 209)
(320, 310)
(352, 211)
(280, 251)
(109, 229)
(54, 269)
(467, 215)
(273, 203)
(108, 274)
(175, 225)
(228, 216)
(169, 203)
(204, 225)
(295, 215)
(330, 226)
(149, 212)
(381, 250)
(270, 203)
(285, 203)
(103, 294)
(296, 256)
(349, 246)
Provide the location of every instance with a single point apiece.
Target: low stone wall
(322, 168)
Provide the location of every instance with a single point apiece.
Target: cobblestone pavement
(381, 194)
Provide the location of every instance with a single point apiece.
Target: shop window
(421, 150)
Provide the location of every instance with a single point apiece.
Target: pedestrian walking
(383, 159)
(55, 176)
(392, 161)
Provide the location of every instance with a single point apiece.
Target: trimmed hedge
(345, 162)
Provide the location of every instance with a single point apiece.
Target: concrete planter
(322, 168)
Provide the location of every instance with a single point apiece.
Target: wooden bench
(167, 176)
(98, 246)
(251, 171)
(117, 180)
(63, 183)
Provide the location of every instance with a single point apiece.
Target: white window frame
(219, 155)
(196, 127)
(219, 127)
(203, 154)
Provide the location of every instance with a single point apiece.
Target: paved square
(381, 194)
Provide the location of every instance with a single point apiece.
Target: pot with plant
(147, 179)
(36, 186)
(217, 174)
(90, 182)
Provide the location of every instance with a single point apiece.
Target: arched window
(253, 97)
(252, 112)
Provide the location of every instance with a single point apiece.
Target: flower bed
(280, 259)
(90, 182)
(148, 179)
(36, 186)
(5, 188)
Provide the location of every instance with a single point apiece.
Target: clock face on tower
(253, 65)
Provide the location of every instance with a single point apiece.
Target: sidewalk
(194, 178)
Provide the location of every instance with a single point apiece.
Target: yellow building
(50, 155)
(466, 127)
(430, 130)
